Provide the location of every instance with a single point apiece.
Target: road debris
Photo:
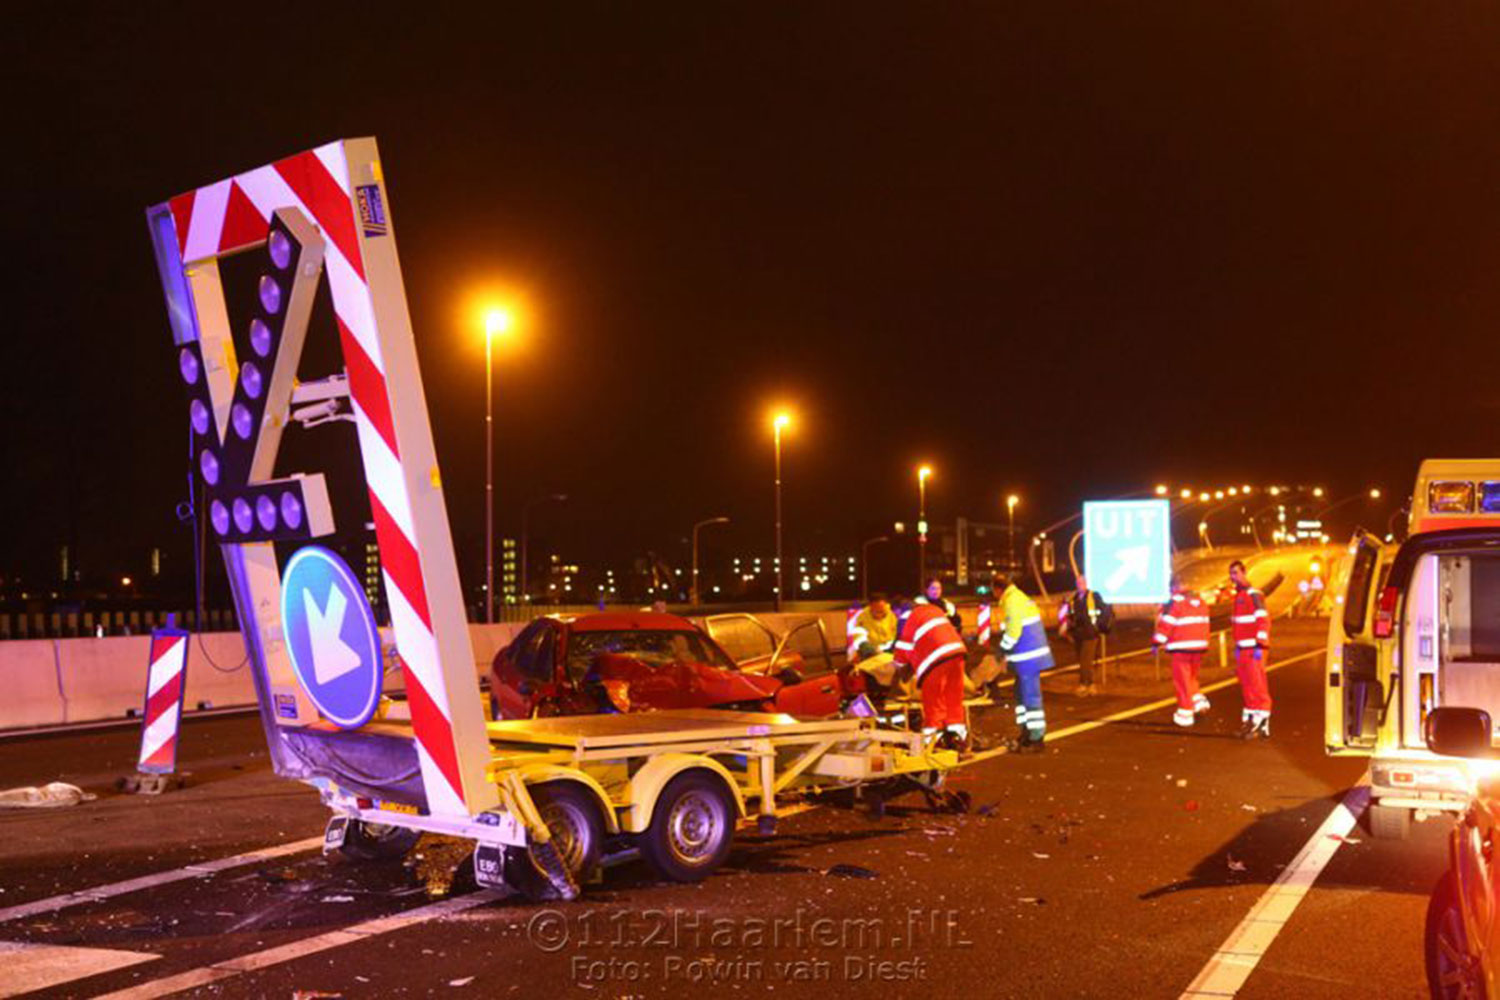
(1234, 865)
(49, 796)
(851, 871)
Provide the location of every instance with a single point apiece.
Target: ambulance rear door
(1355, 694)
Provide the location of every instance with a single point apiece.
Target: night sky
(1065, 251)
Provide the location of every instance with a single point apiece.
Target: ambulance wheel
(692, 827)
(577, 829)
(1388, 822)
(377, 841)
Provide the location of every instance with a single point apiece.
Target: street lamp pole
(922, 474)
(777, 425)
(489, 470)
(864, 564)
(1010, 512)
(701, 524)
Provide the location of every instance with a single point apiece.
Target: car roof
(620, 621)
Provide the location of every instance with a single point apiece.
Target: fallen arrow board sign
(331, 636)
(1127, 553)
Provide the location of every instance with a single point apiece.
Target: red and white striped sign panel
(340, 191)
(166, 680)
(982, 628)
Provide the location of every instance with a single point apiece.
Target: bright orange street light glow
(1204, 496)
(1218, 494)
(1317, 491)
(924, 473)
(1233, 491)
(781, 420)
(498, 322)
(1161, 490)
(1186, 493)
(1011, 501)
(1375, 494)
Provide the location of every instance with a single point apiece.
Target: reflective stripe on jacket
(1249, 621)
(925, 638)
(1182, 625)
(1023, 638)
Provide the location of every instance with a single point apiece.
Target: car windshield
(653, 647)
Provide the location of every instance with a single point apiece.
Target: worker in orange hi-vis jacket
(1182, 630)
(1250, 628)
(927, 642)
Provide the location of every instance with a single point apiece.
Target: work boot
(1034, 744)
(1264, 729)
(1247, 729)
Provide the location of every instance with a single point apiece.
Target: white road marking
(1150, 706)
(31, 967)
(258, 960)
(1226, 973)
(197, 870)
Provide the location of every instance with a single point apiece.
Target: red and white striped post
(982, 630)
(851, 638)
(161, 719)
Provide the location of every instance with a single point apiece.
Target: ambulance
(1415, 626)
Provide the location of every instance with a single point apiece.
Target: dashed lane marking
(196, 870)
(1226, 973)
(257, 960)
(1150, 706)
(30, 967)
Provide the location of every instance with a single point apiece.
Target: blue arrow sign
(331, 636)
(1127, 552)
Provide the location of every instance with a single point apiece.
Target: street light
(923, 474)
(1161, 490)
(496, 322)
(864, 561)
(780, 422)
(1010, 514)
(525, 519)
(701, 524)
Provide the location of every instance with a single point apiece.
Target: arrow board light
(1127, 550)
(331, 636)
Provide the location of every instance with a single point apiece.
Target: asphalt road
(1116, 864)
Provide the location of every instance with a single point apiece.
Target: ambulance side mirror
(1459, 732)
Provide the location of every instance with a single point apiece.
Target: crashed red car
(640, 661)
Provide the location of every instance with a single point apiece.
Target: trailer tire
(377, 841)
(692, 828)
(1388, 822)
(572, 816)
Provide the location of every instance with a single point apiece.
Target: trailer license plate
(333, 834)
(398, 807)
(489, 866)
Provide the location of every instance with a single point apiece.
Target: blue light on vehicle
(1489, 497)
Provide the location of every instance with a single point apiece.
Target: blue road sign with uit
(1127, 552)
(331, 636)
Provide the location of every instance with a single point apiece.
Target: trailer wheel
(691, 828)
(577, 829)
(1388, 822)
(377, 841)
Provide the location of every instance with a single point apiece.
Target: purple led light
(265, 512)
(209, 463)
(198, 414)
(291, 510)
(243, 519)
(281, 249)
(250, 380)
(219, 515)
(243, 422)
(270, 294)
(187, 361)
(260, 337)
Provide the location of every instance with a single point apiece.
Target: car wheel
(1388, 822)
(692, 827)
(376, 841)
(1453, 973)
(572, 817)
